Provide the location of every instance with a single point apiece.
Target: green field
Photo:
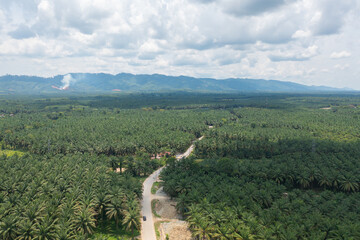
(274, 166)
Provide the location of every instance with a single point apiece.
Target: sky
(312, 42)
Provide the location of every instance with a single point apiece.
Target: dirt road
(147, 227)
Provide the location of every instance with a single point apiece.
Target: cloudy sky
(313, 42)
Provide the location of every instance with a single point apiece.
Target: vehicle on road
(144, 218)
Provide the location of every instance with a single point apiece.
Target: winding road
(147, 227)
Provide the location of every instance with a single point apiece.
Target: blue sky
(313, 42)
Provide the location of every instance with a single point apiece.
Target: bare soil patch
(171, 223)
(166, 209)
(118, 170)
(177, 230)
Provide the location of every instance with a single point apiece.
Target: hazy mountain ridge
(101, 82)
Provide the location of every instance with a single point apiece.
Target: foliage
(274, 173)
(154, 202)
(60, 196)
(229, 205)
(155, 187)
(275, 166)
(119, 133)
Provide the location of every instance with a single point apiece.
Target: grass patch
(153, 205)
(11, 153)
(155, 187)
(157, 232)
(107, 230)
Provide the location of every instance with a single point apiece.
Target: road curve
(147, 227)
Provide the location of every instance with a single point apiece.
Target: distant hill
(101, 82)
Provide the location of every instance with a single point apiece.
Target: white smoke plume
(66, 81)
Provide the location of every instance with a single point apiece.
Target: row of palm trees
(64, 197)
(208, 221)
(139, 165)
(262, 132)
(334, 171)
(122, 133)
(220, 222)
(217, 201)
(82, 224)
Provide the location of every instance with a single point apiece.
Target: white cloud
(284, 39)
(189, 58)
(297, 55)
(30, 47)
(33, 47)
(342, 54)
(2, 19)
(341, 67)
(301, 34)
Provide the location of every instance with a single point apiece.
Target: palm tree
(121, 161)
(336, 179)
(277, 230)
(132, 218)
(205, 205)
(102, 199)
(33, 212)
(348, 184)
(223, 232)
(87, 199)
(45, 229)
(26, 230)
(202, 228)
(238, 210)
(182, 186)
(193, 209)
(114, 163)
(181, 203)
(8, 227)
(64, 231)
(170, 188)
(243, 233)
(84, 220)
(217, 217)
(324, 181)
(303, 181)
(265, 233)
(114, 210)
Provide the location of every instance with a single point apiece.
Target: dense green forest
(119, 132)
(77, 162)
(63, 197)
(274, 166)
(274, 172)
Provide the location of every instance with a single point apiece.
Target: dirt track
(147, 227)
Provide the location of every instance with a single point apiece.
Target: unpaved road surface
(147, 227)
(171, 222)
(188, 151)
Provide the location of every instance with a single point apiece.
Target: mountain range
(101, 82)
